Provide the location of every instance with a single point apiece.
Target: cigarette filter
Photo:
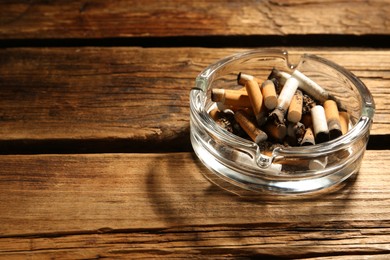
(344, 121)
(320, 126)
(332, 118)
(256, 100)
(243, 78)
(230, 97)
(287, 93)
(269, 94)
(294, 114)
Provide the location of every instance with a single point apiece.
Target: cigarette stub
(280, 76)
(344, 121)
(230, 97)
(250, 127)
(295, 131)
(318, 164)
(243, 78)
(277, 131)
(320, 125)
(287, 94)
(333, 119)
(269, 94)
(308, 138)
(288, 116)
(310, 86)
(294, 114)
(284, 100)
(214, 114)
(256, 100)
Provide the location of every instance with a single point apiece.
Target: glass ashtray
(284, 170)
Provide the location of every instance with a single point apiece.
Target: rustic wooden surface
(99, 19)
(94, 131)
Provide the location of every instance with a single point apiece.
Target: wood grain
(91, 99)
(102, 19)
(150, 205)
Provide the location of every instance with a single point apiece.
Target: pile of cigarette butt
(285, 110)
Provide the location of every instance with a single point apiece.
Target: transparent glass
(292, 170)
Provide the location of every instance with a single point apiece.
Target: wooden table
(94, 131)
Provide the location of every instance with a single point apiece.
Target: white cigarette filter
(320, 125)
(310, 86)
(287, 94)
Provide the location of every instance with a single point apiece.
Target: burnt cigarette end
(276, 131)
(322, 137)
(239, 78)
(333, 119)
(308, 138)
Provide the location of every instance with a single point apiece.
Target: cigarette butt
(318, 164)
(280, 76)
(269, 94)
(310, 86)
(294, 114)
(287, 93)
(214, 114)
(344, 121)
(275, 130)
(320, 125)
(308, 103)
(243, 78)
(296, 131)
(308, 138)
(256, 100)
(230, 97)
(250, 127)
(278, 86)
(332, 118)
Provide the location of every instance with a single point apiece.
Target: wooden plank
(102, 19)
(130, 98)
(148, 205)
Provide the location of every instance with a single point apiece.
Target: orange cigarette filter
(256, 100)
(344, 121)
(230, 97)
(269, 94)
(256, 134)
(243, 78)
(332, 118)
(294, 114)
